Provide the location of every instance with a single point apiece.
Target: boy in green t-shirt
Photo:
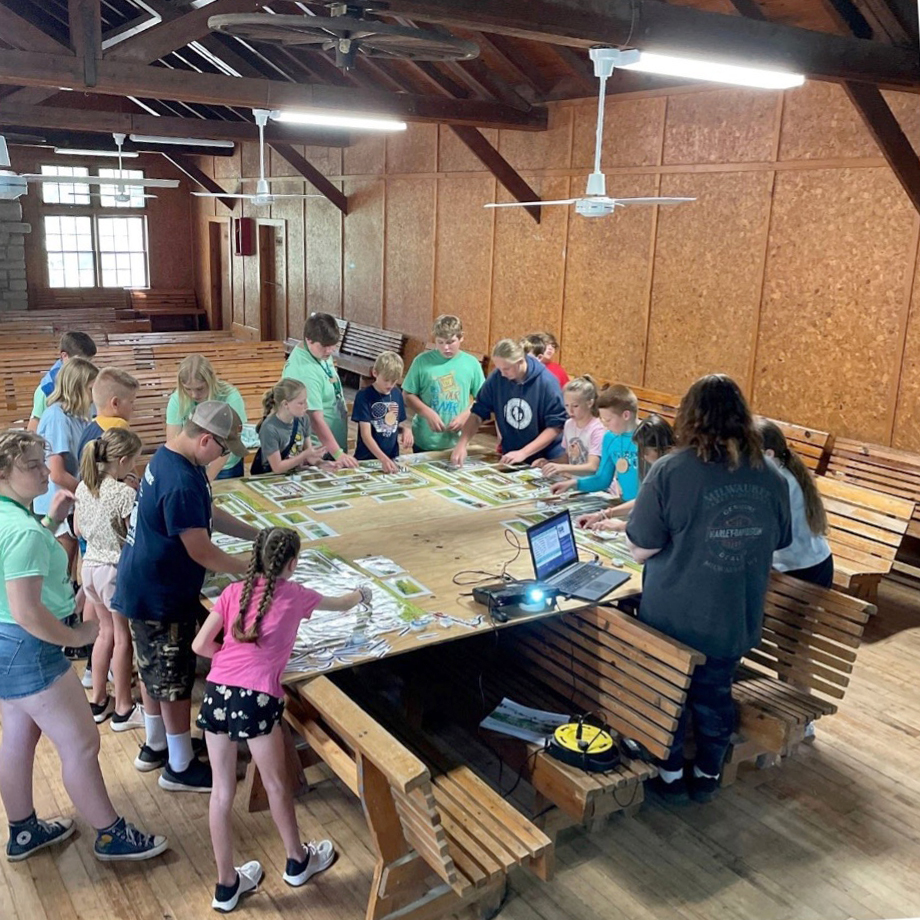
(311, 364)
(440, 387)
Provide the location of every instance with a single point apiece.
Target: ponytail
(283, 391)
(111, 445)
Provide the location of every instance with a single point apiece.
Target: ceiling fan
(14, 185)
(263, 194)
(596, 202)
(125, 191)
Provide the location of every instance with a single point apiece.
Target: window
(113, 196)
(71, 255)
(123, 251)
(61, 193)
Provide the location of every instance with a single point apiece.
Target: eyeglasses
(224, 448)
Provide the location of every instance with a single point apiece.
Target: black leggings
(821, 574)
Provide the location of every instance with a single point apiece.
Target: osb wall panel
(540, 149)
(363, 255)
(819, 122)
(463, 261)
(907, 418)
(720, 126)
(365, 158)
(226, 167)
(291, 211)
(706, 287)
(905, 109)
(455, 156)
(409, 265)
(632, 132)
(608, 262)
(414, 150)
(323, 240)
(834, 290)
(528, 265)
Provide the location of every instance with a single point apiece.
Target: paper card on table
(406, 586)
(517, 525)
(329, 507)
(380, 566)
(392, 497)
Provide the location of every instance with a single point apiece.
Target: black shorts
(238, 713)
(165, 659)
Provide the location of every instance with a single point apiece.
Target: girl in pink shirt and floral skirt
(243, 701)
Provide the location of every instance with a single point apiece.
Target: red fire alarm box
(244, 235)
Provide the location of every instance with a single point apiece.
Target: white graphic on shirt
(518, 413)
(385, 417)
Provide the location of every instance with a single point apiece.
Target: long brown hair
(715, 422)
(775, 440)
(111, 445)
(652, 433)
(274, 548)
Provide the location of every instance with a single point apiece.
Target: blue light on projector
(535, 601)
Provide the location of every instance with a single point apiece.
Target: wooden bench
(865, 530)
(77, 298)
(443, 842)
(798, 673)
(291, 342)
(361, 345)
(597, 660)
(169, 309)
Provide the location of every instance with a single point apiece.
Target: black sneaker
(123, 841)
(196, 777)
(148, 759)
(33, 834)
(248, 877)
(101, 711)
(77, 653)
(703, 789)
(674, 793)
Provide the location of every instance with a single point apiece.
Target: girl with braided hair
(104, 502)
(243, 701)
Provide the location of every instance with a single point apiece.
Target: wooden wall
(169, 222)
(794, 270)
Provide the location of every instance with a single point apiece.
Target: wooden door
(272, 276)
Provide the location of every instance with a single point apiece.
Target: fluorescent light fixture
(712, 71)
(73, 151)
(182, 141)
(339, 121)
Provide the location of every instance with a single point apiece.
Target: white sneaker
(87, 678)
(809, 732)
(248, 877)
(134, 719)
(319, 855)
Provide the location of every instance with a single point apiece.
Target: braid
(274, 548)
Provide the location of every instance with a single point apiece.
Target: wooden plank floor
(834, 833)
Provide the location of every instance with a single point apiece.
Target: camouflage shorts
(165, 659)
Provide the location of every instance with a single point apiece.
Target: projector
(528, 596)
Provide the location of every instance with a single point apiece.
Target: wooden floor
(834, 833)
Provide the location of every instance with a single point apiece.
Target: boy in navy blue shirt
(381, 414)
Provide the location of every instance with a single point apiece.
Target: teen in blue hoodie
(527, 404)
(73, 345)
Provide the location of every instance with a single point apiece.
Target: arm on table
(198, 545)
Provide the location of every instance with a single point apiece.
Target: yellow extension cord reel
(584, 745)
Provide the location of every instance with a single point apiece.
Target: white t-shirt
(806, 549)
(101, 520)
(582, 443)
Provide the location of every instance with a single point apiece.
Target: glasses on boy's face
(224, 448)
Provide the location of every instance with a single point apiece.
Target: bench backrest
(380, 758)
(606, 661)
(865, 528)
(883, 469)
(73, 298)
(369, 341)
(810, 636)
(164, 299)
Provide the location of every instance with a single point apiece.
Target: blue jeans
(709, 702)
(28, 665)
(233, 472)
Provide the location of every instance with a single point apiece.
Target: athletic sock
(670, 776)
(699, 774)
(156, 731)
(180, 751)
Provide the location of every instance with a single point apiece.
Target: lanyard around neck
(12, 501)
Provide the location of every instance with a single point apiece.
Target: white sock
(180, 751)
(156, 731)
(670, 776)
(697, 772)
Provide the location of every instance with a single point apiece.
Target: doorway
(272, 278)
(220, 283)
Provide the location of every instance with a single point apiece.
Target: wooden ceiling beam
(187, 165)
(581, 66)
(313, 176)
(20, 33)
(665, 27)
(493, 84)
(60, 118)
(85, 18)
(25, 68)
(506, 174)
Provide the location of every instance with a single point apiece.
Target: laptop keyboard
(578, 579)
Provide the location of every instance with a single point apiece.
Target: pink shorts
(99, 583)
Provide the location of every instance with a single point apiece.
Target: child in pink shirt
(243, 700)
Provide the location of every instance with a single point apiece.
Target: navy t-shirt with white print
(157, 579)
(384, 412)
(717, 530)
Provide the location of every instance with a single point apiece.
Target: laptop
(555, 561)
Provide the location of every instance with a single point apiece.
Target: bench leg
(254, 793)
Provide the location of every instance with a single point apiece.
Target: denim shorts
(27, 665)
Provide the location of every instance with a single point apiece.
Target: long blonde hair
(284, 390)
(198, 367)
(73, 387)
(110, 446)
(584, 388)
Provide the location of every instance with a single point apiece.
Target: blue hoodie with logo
(47, 382)
(523, 410)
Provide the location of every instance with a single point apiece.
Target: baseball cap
(220, 420)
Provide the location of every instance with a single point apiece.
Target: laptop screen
(552, 545)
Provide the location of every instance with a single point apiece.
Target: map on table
(331, 638)
(250, 509)
(489, 485)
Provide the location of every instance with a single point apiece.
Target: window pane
(69, 247)
(123, 251)
(62, 193)
(109, 192)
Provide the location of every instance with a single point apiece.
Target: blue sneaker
(123, 841)
(33, 834)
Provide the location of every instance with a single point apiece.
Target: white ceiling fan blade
(276, 195)
(100, 180)
(220, 195)
(528, 204)
(659, 201)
